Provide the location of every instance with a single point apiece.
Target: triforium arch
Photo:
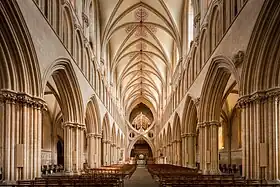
(106, 141)
(63, 75)
(93, 129)
(217, 77)
(20, 93)
(176, 141)
(189, 133)
(260, 97)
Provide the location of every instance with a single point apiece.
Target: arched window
(67, 30)
(190, 22)
(79, 49)
(91, 25)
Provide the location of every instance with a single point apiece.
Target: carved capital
(9, 96)
(238, 58)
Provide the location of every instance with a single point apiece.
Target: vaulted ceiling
(142, 40)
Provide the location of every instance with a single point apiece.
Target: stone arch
(203, 47)
(92, 119)
(219, 72)
(189, 118)
(169, 143)
(176, 143)
(68, 87)
(114, 134)
(67, 28)
(260, 94)
(261, 68)
(20, 94)
(79, 50)
(215, 27)
(19, 67)
(176, 135)
(106, 128)
(146, 139)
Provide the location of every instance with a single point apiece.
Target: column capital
(191, 134)
(176, 141)
(74, 125)
(98, 136)
(208, 123)
(90, 135)
(22, 98)
(113, 145)
(118, 147)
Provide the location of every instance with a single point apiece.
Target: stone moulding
(257, 97)
(22, 98)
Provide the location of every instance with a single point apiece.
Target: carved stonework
(196, 20)
(208, 123)
(85, 19)
(22, 98)
(238, 58)
(258, 97)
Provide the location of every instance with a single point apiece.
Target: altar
(141, 162)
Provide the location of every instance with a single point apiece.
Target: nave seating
(109, 176)
(173, 176)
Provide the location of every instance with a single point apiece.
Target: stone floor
(140, 178)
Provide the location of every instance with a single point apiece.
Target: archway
(142, 152)
(93, 135)
(221, 73)
(60, 152)
(176, 142)
(189, 134)
(62, 80)
(260, 94)
(20, 97)
(106, 142)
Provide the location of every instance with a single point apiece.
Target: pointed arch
(106, 128)
(150, 143)
(219, 72)
(19, 67)
(68, 87)
(67, 28)
(176, 135)
(92, 119)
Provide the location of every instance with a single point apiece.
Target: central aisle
(140, 178)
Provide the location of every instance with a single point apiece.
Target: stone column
(73, 147)
(98, 150)
(169, 153)
(182, 149)
(209, 147)
(165, 152)
(91, 149)
(108, 152)
(20, 138)
(113, 152)
(118, 154)
(191, 137)
(179, 153)
(104, 142)
(174, 153)
(260, 130)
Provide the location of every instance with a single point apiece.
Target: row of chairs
(112, 176)
(173, 176)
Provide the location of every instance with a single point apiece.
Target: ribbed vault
(141, 44)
